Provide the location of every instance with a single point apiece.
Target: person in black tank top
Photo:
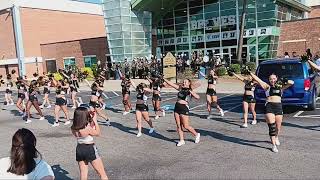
(142, 108)
(22, 89)
(249, 101)
(61, 104)
(74, 85)
(33, 100)
(273, 109)
(125, 86)
(156, 83)
(8, 93)
(95, 104)
(211, 94)
(181, 109)
(46, 92)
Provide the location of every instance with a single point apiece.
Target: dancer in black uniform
(125, 85)
(8, 93)
(33, 100)
(74, 85)
(249, 101)
(142, 108)
(274, 113)
(212, 99)
(22, 89)
(61, 104)
(95, 104)
(181, 109)
(46, 92)
(156, 82)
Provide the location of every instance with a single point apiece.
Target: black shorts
(33, 98)
(274, 108)
(181, 109)
(8, 91)
(211, 92)
(86, 152)
(21, 96)
(72, 89)
(95, 104)
(142, 107)
(61, 101)
(46, 91)
(125, 92)
(156, 97)
(249, 99)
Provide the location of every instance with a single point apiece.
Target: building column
(18, 38)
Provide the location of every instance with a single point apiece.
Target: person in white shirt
(25, 161)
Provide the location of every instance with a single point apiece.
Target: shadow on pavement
(232, 139)
(302, 127)
(50, 119)
(60, 173)
(123, 128)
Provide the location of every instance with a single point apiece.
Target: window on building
(89, 61)
(69, 62)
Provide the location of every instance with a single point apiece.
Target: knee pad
(125, 102)
(214, 104)
(272, 129)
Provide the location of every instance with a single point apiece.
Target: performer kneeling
(181, 109)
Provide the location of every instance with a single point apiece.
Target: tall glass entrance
(211, 26)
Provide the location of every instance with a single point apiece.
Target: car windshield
(281, 70)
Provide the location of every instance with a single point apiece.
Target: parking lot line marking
(115, 93)
(298, 113)
(232, 108)
(311, 117)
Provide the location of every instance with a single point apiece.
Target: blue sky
(91, 1)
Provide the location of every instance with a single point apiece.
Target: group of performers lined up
(27, 91)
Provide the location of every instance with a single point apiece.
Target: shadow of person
(123, 128)
(313, 128)
(155, 134)
(60, 173)
(15, 112)
(50, 119)
(232, 139)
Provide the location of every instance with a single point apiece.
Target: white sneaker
(103, 106)
(12, 104)
(245, 125)
(277, 141)
(48, 107)
(41, 118)
(73, 107)
(139, 134)
(28, 121)
(157, 117)
(125, 113)
(222, 113)
(67, 122)
(197, 140)
(107, 122)
(274, 148)
(180, 143)
(163, 113)
(209, 116)
(41, 106)
(55, 124)
(254, 122)
(151, 130)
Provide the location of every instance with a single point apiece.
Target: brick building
(29, 24)
(299, 35)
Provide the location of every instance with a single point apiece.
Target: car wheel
(312, 106)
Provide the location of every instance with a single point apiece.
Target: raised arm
(264, 85)
(238, 77)
(195, 95)
(171, 84)
(314, 65)
(290, 83)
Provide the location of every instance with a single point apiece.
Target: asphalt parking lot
(225, 151)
